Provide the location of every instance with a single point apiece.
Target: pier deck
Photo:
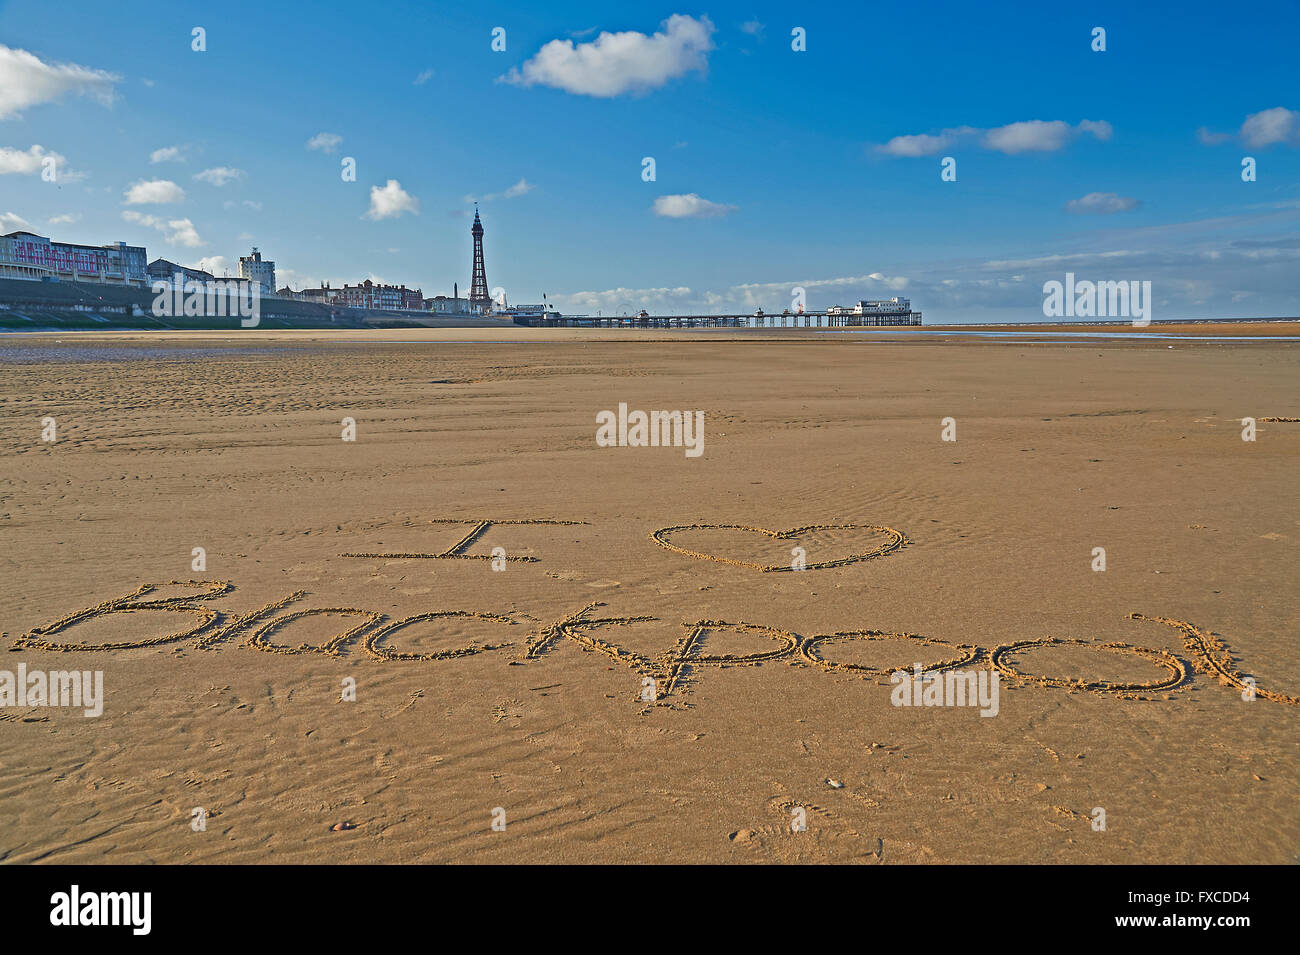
(801, 320)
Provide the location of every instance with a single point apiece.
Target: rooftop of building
(71, 245)
(170, 266)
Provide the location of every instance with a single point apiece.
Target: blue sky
(774, 168)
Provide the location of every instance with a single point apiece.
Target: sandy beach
(606, 651)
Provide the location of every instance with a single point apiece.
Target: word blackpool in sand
(672, 670)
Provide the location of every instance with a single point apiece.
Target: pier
(781, 320)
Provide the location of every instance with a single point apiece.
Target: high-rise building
(478, 288)
(255, 269)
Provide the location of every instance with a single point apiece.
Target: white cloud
(617, 63)
(1099, 128)
(1033, 135)
(689, 206)
(166, 154)
(424, 77)
(922, 144)
(1038, 135)
(391, 201)
(293, 279)
(219, 175)
(11, 222)
(1101, 203)
(154, 191)
(629, 300)
(753, 27)
(216, 264)
(301, 280)
(325, 142)
(175, 231)
(522, 187)
(24, 163)
(183, 233)
(66, 218)
(1207, 138)
(32, 162)
(1276, 125)
(872, 282)
(26, 80)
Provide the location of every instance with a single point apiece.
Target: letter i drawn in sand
(457, 550)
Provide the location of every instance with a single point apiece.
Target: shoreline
(1272, 331)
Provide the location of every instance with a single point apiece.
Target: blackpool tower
(478, 288)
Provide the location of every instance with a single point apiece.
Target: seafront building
(171, 277)
(527, 314)
(369, 295)
(161, 270)
(256, 269)
(324, 295)
(889, 308)
(448, 304)
(26, 255)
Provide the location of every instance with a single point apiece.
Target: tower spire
(478, 287)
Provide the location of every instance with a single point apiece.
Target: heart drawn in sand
(894, 541)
